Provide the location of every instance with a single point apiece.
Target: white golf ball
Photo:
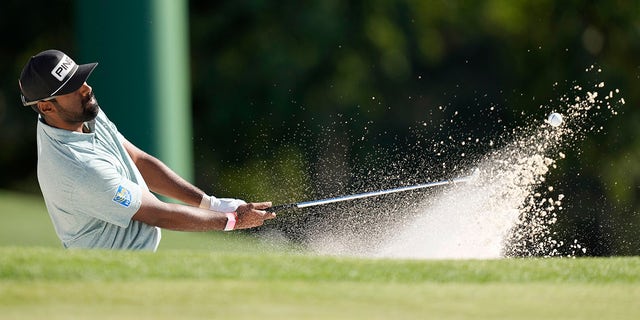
(555, 119)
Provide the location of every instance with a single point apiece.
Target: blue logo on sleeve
(123, 196)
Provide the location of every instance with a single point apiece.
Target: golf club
(306, 204)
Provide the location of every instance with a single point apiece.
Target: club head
(471, 178)
(475, 175)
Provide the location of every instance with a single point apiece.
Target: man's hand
(252, 215)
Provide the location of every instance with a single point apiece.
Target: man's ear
(45, 107)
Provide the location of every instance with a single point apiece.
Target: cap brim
(78, 78)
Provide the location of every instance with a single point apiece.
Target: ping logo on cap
(62, 69)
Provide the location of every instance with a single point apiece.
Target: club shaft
(314, 203)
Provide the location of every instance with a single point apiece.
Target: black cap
(49, 74)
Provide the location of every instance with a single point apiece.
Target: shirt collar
(85, 140)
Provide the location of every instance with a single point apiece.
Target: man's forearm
(187, 218)
(177, 217)
(162, 180)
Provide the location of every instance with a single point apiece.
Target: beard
(89, 111)
(90, 108)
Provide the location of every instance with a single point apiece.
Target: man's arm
(179, 217)
(161, 179)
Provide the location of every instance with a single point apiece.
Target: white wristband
(224, 205)
(231, 221)
(205, 203)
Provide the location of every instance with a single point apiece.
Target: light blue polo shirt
(92, 188)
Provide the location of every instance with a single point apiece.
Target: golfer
(96, 184)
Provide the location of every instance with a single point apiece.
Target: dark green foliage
(297, 100)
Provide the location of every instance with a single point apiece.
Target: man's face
(78, 106)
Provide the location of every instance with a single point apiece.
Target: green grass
(25, 221)
(39, 282)
(233, 276)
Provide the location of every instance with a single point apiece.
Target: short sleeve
(105, 194)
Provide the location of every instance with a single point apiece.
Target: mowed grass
(234, 276)
(37, 283)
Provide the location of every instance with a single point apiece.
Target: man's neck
(56, 123)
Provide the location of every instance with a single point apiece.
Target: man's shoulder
(102, 116)
(103, 121)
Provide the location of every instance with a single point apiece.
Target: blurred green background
(294, 100)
